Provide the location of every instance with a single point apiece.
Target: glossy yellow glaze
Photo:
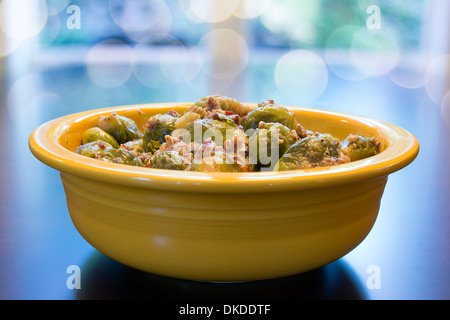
(223, 226)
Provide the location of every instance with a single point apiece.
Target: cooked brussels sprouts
(121, 128)
(168, 160)
(310, 152)
(220, 134)
(269, 113)
(214, 102)
(135, 145)
(156, 129)
(268, 138)
(104, 151)
(186, 119)
(200, 130)
(95, 133)
(358, 147)
(224, 118)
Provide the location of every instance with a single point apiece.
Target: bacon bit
(212, 104)
(101, 145)
(243, 168)
(228, 113)
(236, 118)
(214, 116)
(173, 113)
(151, 123)
(301, 131)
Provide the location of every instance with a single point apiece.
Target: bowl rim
(43, 143)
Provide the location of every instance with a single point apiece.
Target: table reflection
(104, 278)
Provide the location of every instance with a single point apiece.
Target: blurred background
(388, 60)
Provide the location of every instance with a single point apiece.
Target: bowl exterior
(223, 226)
(223, 236)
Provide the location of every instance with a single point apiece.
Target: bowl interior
(321, 121)
(54, 142)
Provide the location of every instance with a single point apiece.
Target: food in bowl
(223, 226)
(220, 134)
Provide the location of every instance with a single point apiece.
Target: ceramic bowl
(223, 226)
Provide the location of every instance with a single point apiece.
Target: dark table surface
(408, 246)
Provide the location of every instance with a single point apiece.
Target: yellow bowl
(223, 226)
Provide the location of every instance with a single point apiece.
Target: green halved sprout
(156, 129)
(268, 138)
(95, 133)
(313, 151)
(121, 128)
(214, 102)
(135, 145)
(269, 113)
(358, 147)
(219, 131)
(171, 160)
(104, 151)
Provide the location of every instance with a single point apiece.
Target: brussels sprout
(135, 145)
(95, 133)
(268, 138)
(358, 147)
(217, 130)
(214, 102)
(269, 113)
(168, 160)
(91, 149)
(121, 128)
(186, 119)
(224, 118)
(104, 151)
(156, 129)
(310, 152)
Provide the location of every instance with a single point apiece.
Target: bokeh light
(135, 15)
(7, 44)
(292, 20)
(249, 9)
(50, 32)
(437, 78)
(109, 63)
(21, 93)
(97, 96)
(227, 53)
(23, 19)
(301, 73)
(213, 10)
(162, 66)
(29, 105)
(375, 52)
(57, 6)
(180, 63)
(338, 56)
(411, 75)
(141, 18)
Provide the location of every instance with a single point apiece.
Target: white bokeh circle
(301, 73)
